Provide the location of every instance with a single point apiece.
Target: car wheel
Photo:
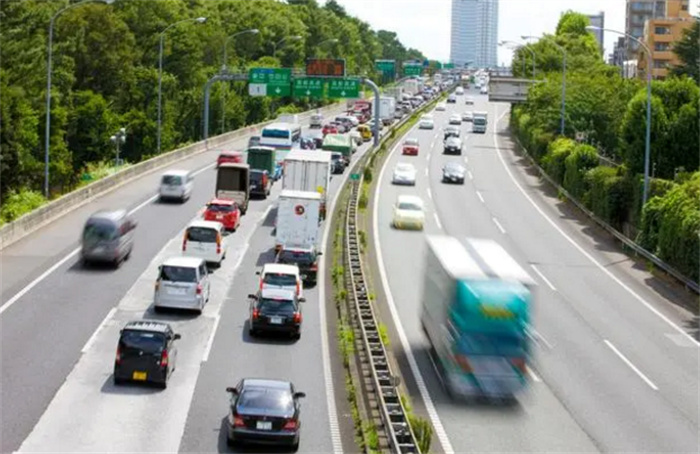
(297, 335)
(128, 254)
(295, 446)
(163, 384)
(252, 332)
(118, 381)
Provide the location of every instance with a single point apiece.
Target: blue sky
(425, 24)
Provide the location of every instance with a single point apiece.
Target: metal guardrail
(688, 283)
(392, 411)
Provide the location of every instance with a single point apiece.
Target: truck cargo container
(297, 223)
(308, 170)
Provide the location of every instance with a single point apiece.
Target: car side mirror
(232, 390)
(257, 273)
(302, 300)
(177, 336)
(253, 297)
(299, 395)
(319, 253)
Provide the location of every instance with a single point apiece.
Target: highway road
(614, 368)
(59, 336)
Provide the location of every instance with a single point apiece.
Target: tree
(688, 52)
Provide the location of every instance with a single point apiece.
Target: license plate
(264, 425)
(276, 320)
(177, 291)
(140, 376)
(219, 216)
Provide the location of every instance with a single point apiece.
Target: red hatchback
(224, 211)
(329, 129)
(410, 147)
(229, 156)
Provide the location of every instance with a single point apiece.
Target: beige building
(660, 34)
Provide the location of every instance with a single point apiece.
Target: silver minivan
(176, 184)
(182, 283)
(108, 236)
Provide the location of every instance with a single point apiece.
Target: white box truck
(297, 222)
(308, 170)
(411, 86)
(288, 118)
(387, 106)
(480, 122)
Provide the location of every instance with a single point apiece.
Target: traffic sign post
(343, 88)
(270, 82)
(412, 70)
(308, 86)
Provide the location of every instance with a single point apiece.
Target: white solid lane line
(582, 250)
(478, 194)
(498, 224)
(413, 364)
(437, 221)
(546, 281)
(471, 176)
(430, 194)
(426, 171)
(632, 366)
(466, 159)
(91, 341)
(210, 342)
(533, 375)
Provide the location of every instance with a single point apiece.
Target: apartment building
(598, 20)
(636, 15)
(660, 34)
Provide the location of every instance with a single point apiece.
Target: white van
(275, 275)
(176, 184)
(205, 240)
(316, 121)
(459, 91)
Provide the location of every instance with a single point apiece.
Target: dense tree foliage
(611, 114)
(105, 74)
(688, 51)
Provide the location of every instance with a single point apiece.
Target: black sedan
(264, 411)
(275, 310)
(304, 258)
(260, 183)
(453, 172)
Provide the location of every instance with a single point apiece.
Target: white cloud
(425, 24)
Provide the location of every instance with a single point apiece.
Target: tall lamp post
(199, 20)
(47, 139)
(522, 46)
(331, 40)
(252, 31)
(118, 139)
(276, 45)
(563, 79)
(647, 144)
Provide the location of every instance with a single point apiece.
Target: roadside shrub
(539, 142)
(553, 162)
(582, 159)
(652, 213)
(609, 194)
(18, 203)
(658, 187)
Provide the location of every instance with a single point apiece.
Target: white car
(468, 116)
(408, 213)
(455, 119)
(441, 106)
(426, 122)
(469, 101)
(459, 91)
(484, 90)
(205, 240)
(404, 173)
(275, 275)
(176, 184)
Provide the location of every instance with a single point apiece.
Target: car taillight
(291, 424)
(519, 363)
(199, 289)
(314, 267)
(298, 287)
(164, 358)
(256, 314)
(297, 317)
(118, 356)
(184, 243)
(238, 421)
(218, 243)
(463, 363)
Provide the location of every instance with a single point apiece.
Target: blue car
(277, 174)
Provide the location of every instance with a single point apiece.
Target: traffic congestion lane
(631, 338)
(236, 355)
(91, 414)
(47, 327)
(581, 320)
(525, 426)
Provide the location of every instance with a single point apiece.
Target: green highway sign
(270, 82)
(343, 88)
(308, 86)
(449, 66)
(412, 70)
(385, 66)
(354, 176)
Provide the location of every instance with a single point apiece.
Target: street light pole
(563, 80)
(647, 144)
(523, 46)
(47, 138)
(330, 40)
(199, 20)
(292, 37)
(117, 139)
(252, 31)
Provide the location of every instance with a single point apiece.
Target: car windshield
(265, 398)
(254, 141)
(427, 117)
(172, 180)
(401, 167)
(453, 142)
(453, 167)
(410, 206)
(216, 208)
(287, 256)
(255, 176)
(335, 157)
(202, 234)
(143, 341)
(99, 231)
(274, 306)
(280, 279)
(178, 274)
(411, 142)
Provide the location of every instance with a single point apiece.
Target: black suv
(276, 310)
(260, 183)
(305, 258)
(146, 352)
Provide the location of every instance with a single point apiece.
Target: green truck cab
(341, 143)
(262, 158)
